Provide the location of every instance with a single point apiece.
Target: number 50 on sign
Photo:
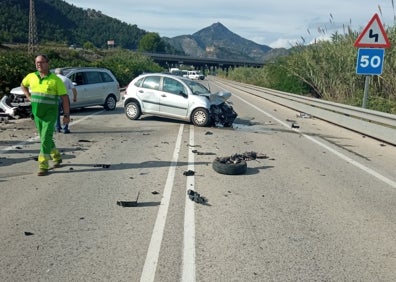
(370, 61)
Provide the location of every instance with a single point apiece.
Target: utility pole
(32, 29)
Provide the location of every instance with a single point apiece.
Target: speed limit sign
(370, 61)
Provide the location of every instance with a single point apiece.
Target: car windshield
(196, 88)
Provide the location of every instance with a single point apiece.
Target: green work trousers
(48, 149)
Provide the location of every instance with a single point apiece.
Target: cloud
(273, 23)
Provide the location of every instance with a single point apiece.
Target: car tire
(132, 110)
(110, 103)
(229, 168)
(200, 117)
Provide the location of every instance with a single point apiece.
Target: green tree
(88, 45)
(151, 42)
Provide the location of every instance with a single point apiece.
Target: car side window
(78, 78)
(151, 82)
(172, 86)
(93, 77)
(106, 77)
(138, 83)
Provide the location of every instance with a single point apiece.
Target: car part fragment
(236, 163)
(196, 197)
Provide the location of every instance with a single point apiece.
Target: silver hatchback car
(178, 98)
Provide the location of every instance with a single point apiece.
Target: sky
(276, 23)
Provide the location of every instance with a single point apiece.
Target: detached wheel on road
(132, 110)
(229, 168)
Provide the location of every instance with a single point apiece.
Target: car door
(174, 98)
(95, 88)
(149, 94)
(79, 81)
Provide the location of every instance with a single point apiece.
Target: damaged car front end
(15, 104)
(221, 111)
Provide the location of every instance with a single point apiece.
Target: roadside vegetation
(125, 64)
(327, 70)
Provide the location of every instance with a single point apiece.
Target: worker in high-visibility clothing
(43, 89)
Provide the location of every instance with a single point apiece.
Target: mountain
(60, 22)
(217, 41)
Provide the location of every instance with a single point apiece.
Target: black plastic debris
(155, 192)
(128, 204)
(202, 153)
(237, 158)
(196, 197)
(102, 165)
(294, 125)
(208, 133)
(198, 146)
(83, 140)
(189, 172)
(27, 233)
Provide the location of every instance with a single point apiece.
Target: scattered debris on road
(237, 158)
(295, 125)
(128, 204)
(196, 197)
(189, 172)
(303, 115)
(202, 153)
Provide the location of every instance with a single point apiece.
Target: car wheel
(110, 103)
(229, 168)
(132, 110)
(200, 117)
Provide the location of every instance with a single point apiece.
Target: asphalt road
(321, 207)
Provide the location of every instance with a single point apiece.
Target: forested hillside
(58, 21)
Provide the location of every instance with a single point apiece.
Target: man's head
(42, 63)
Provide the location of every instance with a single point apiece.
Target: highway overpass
(168, 61)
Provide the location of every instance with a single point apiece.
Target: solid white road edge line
(150, 265)
(188, 264)
(335, 152)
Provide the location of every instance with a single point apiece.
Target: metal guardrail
(379, 125)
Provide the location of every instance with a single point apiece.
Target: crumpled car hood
(218, 97)
(17, 91)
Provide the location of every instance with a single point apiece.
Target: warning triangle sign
(373, 35)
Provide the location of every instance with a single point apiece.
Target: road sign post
(370, 60)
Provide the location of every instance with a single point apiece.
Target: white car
(178, 98)
(195, 75)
